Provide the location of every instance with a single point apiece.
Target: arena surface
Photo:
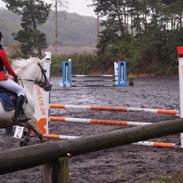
(128, 164)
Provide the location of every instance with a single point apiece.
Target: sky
(74, 6)
(80, 7)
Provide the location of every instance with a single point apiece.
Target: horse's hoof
(42, 140)
(23, 143)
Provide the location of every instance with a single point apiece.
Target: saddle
(8, 99)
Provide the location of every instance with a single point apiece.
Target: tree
(152, 27)
(34, 13)
(58, 4)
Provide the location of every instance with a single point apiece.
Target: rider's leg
(20, 116)
(12, 86)
(20, 91)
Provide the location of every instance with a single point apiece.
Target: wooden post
(56, 171)
(46, 172)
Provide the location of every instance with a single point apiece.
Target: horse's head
(32, 70)
(42, 79)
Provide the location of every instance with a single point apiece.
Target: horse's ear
(42, 61)
(46, 57)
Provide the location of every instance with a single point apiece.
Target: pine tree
(34, 13)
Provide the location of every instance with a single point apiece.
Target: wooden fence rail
(34, 155)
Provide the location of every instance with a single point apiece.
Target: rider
(12, 86)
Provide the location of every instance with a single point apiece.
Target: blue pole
(66, 74)
(119, 74)
(124, 74)
(122, 78)
(63, 75)
(70, 72)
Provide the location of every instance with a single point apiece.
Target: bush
(83, 64)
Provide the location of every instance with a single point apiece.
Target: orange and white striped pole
(156, 144)
(115, 109)
(143, 143)
(97, 121)
(63, 137)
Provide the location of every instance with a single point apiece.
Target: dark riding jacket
(4, 62)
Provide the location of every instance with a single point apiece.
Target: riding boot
(20, 116)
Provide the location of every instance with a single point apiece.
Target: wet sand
(123, 164)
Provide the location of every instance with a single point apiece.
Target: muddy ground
(126, 164)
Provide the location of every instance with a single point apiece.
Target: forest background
(145, 33)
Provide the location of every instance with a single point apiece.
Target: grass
(176, 178)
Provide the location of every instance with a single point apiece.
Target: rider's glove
(16, 78)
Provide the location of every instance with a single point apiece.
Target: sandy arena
(126, 164)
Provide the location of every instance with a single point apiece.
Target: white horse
(29, 71)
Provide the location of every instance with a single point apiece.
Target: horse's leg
(31, 124)
(26, 137)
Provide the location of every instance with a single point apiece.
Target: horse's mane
(21, 64)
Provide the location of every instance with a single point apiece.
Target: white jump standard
(180, 60)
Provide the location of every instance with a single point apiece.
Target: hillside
(74, 30)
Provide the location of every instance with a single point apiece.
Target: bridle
(42, 83)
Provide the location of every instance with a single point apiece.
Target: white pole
(181, 85)
(115, 73)
(181, 92)
(180, 61)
